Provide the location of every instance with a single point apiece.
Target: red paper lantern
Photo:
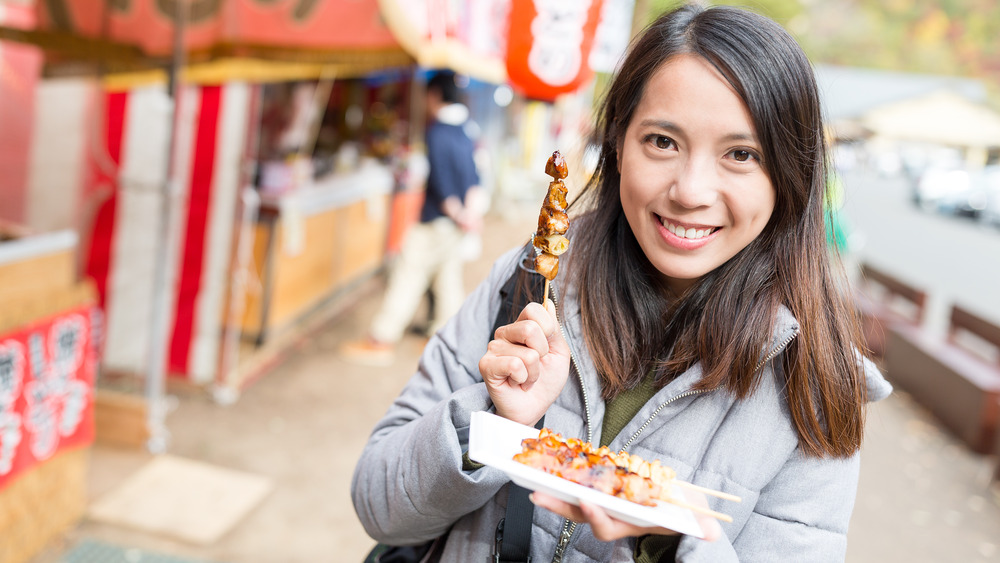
(548, 45)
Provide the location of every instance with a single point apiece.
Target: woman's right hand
(527, 364)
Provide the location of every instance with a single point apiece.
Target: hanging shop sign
(467, 36)
(612, 36)
(47, 374)
(548, 45)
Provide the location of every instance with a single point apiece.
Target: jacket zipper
(657, 411)
(569, 527)
(572, 360)
(777, 350)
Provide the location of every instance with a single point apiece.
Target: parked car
(938, 189)
(990, 213)
(973, 194)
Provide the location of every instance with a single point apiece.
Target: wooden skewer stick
(545, 294)
(708, 491)
(699, 509)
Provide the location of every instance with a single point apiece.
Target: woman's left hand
(607, 528)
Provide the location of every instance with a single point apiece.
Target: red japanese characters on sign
(548, 45)
(47, 373)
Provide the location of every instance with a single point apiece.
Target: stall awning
(130, 35)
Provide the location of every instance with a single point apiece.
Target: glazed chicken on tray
(621, 475)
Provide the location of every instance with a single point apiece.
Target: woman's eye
(661, 142)
(740, 155)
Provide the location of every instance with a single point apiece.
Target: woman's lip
(682, 242)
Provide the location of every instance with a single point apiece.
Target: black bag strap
(513, 539)
(513, 535)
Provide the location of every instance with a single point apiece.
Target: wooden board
(961, 390)
(120, 419)
(365, 226)
(39, 274)
(41, 504)
(45, 302)
(301, 280)
(338, 246)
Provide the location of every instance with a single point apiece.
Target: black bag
(513, 535)
(429, 551)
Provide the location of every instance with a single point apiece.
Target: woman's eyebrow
(674, 128)
(661, 124)
(749, 137)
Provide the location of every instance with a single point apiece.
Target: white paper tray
(494, 440)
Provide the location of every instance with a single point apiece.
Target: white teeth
(690, 233)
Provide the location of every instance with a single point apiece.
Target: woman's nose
(695, 184)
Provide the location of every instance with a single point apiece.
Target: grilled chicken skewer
(553, 222)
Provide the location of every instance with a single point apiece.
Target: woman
(700, 323)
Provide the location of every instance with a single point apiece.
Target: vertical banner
(548, 46)
(47, 373)
(613, 35)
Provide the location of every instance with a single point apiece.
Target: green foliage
(956, 37)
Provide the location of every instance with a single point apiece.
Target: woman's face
(692, 185)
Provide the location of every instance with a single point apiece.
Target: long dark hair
(725, 321)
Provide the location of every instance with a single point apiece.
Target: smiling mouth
(690, 233)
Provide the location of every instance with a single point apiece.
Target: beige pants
(429, 258)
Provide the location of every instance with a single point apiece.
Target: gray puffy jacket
(409, 485)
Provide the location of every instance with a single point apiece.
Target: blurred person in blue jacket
(431, 254)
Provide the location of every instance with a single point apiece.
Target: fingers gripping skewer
(553, 222)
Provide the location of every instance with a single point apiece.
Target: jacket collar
(452, 114)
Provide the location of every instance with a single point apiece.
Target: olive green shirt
(617, 413)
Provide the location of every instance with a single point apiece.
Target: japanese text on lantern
(557, 36)
(548, 44)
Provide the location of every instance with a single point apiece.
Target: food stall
(160, 175)
(49, 346)
(117, 175)
(101, 156)
(326, 192)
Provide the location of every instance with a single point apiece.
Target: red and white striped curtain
(126, 175)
